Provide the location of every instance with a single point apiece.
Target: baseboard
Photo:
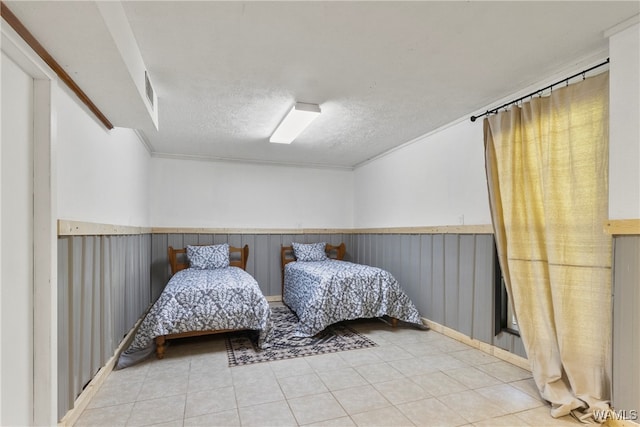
(501, 354)
(514, 359)
(83, 400)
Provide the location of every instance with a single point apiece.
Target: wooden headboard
(178, 258)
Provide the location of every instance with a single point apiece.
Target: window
(505, 319)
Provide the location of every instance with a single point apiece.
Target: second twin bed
(322, 289)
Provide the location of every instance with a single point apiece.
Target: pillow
(310, 251)
(208, 257)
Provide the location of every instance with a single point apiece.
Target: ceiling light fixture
(300, 116)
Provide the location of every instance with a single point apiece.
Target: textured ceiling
(383, 73)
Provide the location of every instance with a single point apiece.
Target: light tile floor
(412, 378)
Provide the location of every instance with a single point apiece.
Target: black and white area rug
(241, 349)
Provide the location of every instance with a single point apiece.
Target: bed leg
(394, 322)
(160, 347)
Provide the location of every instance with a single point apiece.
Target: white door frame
(45, 342)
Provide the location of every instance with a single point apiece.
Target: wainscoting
(103, 288)
(106, 283)
(626, 322)
(450, 277)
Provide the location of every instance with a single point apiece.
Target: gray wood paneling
(274, 283)
(103, 288)
(373, 251)
(190, 239)
(483, 300)
(356, 250)
(626, 323)
(403, 255)
(411, 261)
(518, 347)
(359, 248)
(250, 239)
(426, 273)
(376, 249)
(118, 283)
(86, 286)
(504, 341)
(450, 278)
(109, 340)
(95, 316)
(205, 239)
(75, 322)
(159, 264)
(65, 392)
(234, 239)
(394, 257)
(437, 276)
(451, 285)
(466, 283)
(262, 263)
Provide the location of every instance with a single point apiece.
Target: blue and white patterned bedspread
(325, 292)
(202, 300)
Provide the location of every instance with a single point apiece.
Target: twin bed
(210, 292)
(322, 289)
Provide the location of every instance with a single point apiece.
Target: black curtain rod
(539, 91)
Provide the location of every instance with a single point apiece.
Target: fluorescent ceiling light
(300, 116)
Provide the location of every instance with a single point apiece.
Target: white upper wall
(440, 179)
(194, 193)
(437, 180)
(102, 175)
(624, 124)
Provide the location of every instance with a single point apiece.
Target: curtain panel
(547, 172)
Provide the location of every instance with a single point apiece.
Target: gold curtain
(547, 170)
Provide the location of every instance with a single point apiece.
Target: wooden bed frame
(333, 252)
(178, 261)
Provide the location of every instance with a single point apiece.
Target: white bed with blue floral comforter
(198, 299)
(323, 291)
